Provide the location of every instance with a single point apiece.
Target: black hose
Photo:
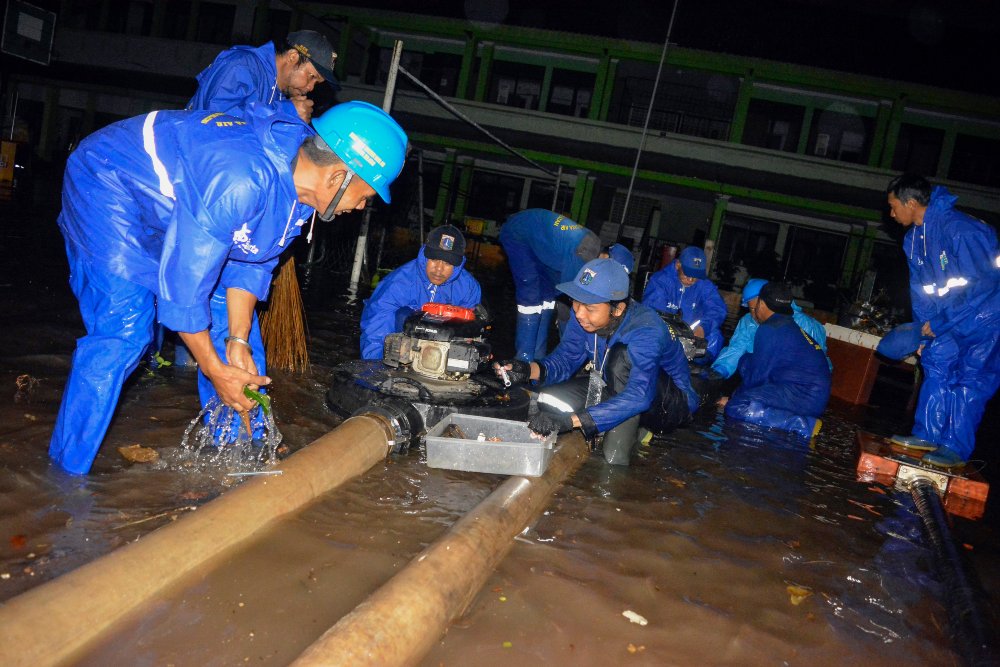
(970, 632)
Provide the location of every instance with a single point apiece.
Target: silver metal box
(517, 453)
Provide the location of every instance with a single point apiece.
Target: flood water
(713, 535)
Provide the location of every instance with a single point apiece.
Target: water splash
(219, 436)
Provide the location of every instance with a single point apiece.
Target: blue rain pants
(535, 292)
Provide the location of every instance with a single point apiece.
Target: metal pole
(555, 193)
(420, 192)
(359, 251)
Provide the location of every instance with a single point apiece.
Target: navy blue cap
(316, 47)
(693, 262)
(445, 243)
(599, 281)
(622, 255)
(901, 342)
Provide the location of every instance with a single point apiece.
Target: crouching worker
(638, 372)
(786, 379)
(180, 217)
(437, 275)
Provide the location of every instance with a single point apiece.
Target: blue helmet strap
(331, 210)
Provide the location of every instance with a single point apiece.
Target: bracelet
(238, 340)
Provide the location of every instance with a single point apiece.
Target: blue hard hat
(752, 290)
(693, 262)
(598, 281)
(901, 342)
(622, 255)
(368, 140)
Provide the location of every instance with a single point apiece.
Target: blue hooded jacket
(699, 303)
(787, 371)
(741, 341)
(238, 77)
(182, 202)
(408, 287)
(651, 349)
(552, 238)
(953, 266)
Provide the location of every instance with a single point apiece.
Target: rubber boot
(621, 441)
(542, 339)
(526, 336)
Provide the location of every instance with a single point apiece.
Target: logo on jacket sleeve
(241, 239)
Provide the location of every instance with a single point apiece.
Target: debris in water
(454, 431)
(634, 617)
(798, 593)
(632, 648)
(26, 386)
(139, 454)
(254, 472)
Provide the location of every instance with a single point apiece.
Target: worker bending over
(683, 287)
(785, 380)
(638, 372)
(437, 275)
(180, 216)
(543, 248)
(955, 294)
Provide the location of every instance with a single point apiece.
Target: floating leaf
(798, 593)
(634, 617)
(263, 400)
(139, 454)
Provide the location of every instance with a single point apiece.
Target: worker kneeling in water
(785, 381)
(437, 275)
(638, 372)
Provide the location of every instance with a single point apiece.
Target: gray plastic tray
(517, 453)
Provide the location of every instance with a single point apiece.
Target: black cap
(317, 49)
(445, 243)
(777, 297)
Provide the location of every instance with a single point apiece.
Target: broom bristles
(283, 323)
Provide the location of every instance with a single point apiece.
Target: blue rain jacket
(543, 245)
(238, 77)
(785, 381)
(741, 341)
(955, 285)
(407, 287)
(699, 303)
(651, 349)
(180, 202)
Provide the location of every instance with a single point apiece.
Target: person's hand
(926, 330)
(721, 403)
(698, 332)
(304, 107)
(229, 381)
(241, 356)
(518, 371)
(548, 422)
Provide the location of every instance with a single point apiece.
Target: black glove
(547, 422)
(711, 374)
(519, 373)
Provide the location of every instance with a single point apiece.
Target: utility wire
(649, 113)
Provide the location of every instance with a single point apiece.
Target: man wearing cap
(954, 262)
(785, 380)
(437, 275)
(741, 341)
(242, 75)
(683, 287)
(179, 217)
(543, 248)
(639, 375)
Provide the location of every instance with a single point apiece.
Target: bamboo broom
(283, 322)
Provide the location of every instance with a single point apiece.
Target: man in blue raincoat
(437, 275)
(683, 287)
(785, 381)
(639, 375)
(741, 341)
(180, 217)
(243, 75)
(954, 264)
(543, 248)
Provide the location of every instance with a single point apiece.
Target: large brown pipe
(54, 622)
(401, 621)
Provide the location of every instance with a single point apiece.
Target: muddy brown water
(708, 536)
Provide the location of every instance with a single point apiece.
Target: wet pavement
(736, 546)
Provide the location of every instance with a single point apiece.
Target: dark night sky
(945, 43)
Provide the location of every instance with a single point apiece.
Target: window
(540, 195)
(516, 85)
(130, 17)
(813, 260)
(840, 134)
(976, 160)
(494, 196)
(215, 23)
(750, 243)
(570, 93)
(437, 71)
(773, 125)
(918, 149)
